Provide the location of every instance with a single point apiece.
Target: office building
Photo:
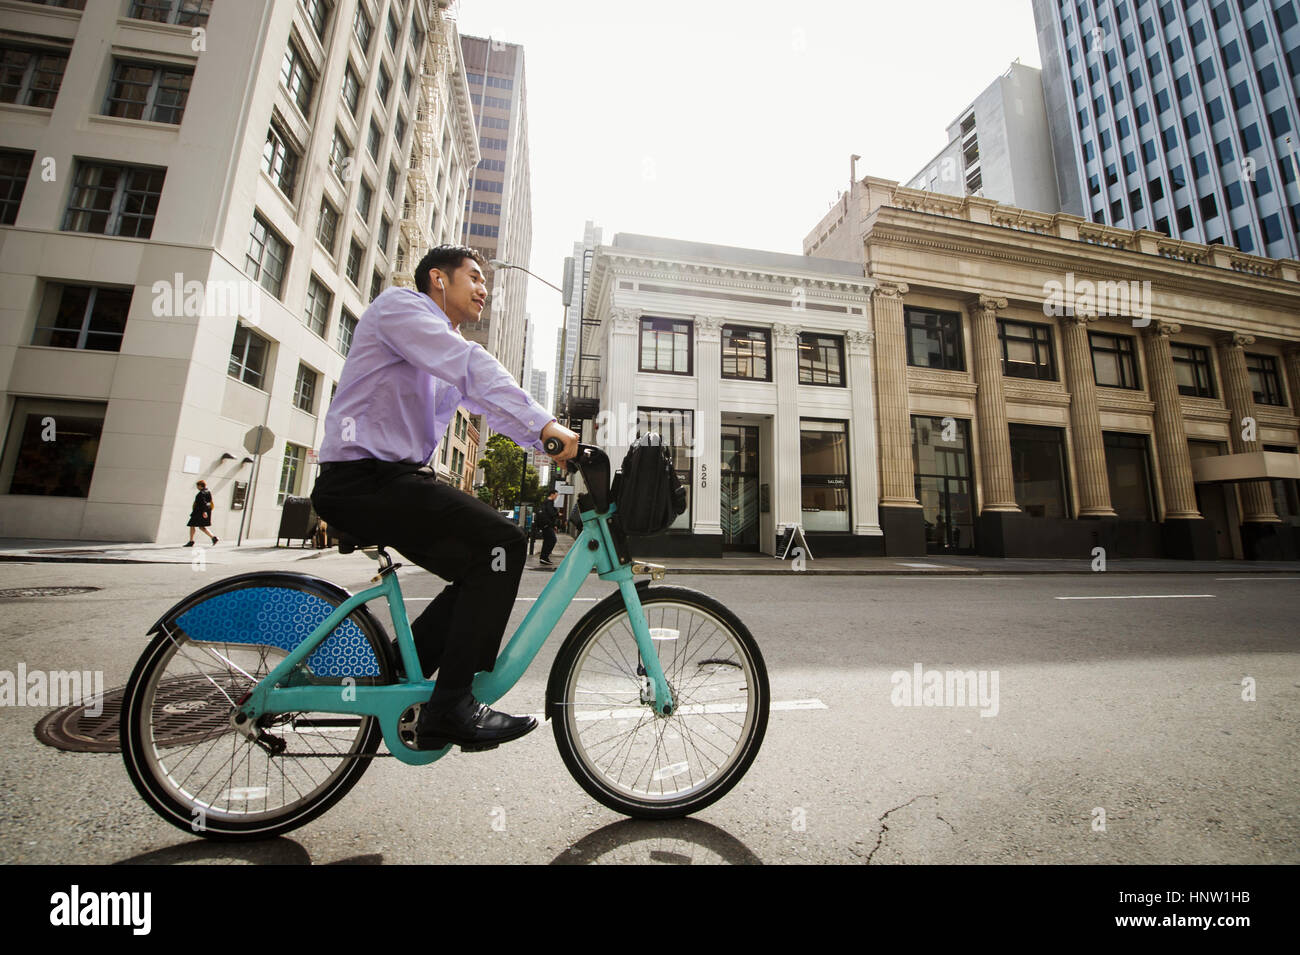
(201, 197)
(999, 147)
(1175, 117)
(1057, 388)
(581, 383)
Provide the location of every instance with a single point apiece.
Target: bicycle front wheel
(183, 753)
(617, 748)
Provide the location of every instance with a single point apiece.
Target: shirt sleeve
(413, 327)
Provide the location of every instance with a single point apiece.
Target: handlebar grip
(553, 446)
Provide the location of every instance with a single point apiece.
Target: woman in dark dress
(201, 512)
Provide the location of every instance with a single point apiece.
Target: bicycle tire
(156, 754)
(593, 682)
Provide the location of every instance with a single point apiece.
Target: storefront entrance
(738, 487)
(941, 455)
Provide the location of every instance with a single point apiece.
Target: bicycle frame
(594, 548)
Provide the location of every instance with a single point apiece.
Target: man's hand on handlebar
(567, 439)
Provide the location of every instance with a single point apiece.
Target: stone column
(1292, 359)
(618, 404)
(1085, 418)
(862, 435)
(1256, 496)
(1171, 433)
(708, 425)
(991, 407)
(897, 483)
(787, 504)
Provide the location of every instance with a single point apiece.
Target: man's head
(551, 495)
(452, 275)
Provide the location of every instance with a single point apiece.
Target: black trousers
(548, 542)
(448, 533)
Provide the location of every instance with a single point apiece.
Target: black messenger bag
(646, 489)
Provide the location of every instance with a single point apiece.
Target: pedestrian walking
(201, 512)
(545, 521)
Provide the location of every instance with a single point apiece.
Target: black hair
(447, 258)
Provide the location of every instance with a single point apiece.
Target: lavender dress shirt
(405, 374)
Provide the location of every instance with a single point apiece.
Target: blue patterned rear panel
(282, 617)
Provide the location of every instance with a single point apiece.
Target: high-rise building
(537, 388)
(200, 199)
(498, 210)
(999, 147)
(1175, 117)
(569, 341)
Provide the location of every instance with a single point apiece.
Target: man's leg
(548, 542)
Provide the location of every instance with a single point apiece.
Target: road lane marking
(634, 712)
(1139, 597)
(1258, 578)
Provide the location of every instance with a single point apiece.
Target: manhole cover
(15, 592)
(192, 710)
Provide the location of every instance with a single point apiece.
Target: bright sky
(732, 122)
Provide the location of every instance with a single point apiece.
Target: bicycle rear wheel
(180, 747)
(617, 748)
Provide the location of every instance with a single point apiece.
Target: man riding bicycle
(407, 371)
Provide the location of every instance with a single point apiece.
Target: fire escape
(415, 224)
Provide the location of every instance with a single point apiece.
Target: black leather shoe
(471, 725)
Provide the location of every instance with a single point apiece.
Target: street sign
(259, 440)
(564, 488)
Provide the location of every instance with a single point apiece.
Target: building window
(354, 262)
(1128, 469)
(340, 152)
(1038, 470)
(391, 31)
(934, 339)
(1027, 350)
(154, 93)
(941, 466)
(364, 195)
(327, 226)
(385, 226)
(291, 472)
(304, 390)
(319, 299)
(1286, 491)
(376, 284)
(745, 353)
(296, 78)
(824, 475)
(280, 160)
(347, 328)
(114, 200)
(318, 14)
(391, 184)
(399, 131)
(383, 85)
(666, 346)
(351, 89)
(31, 77)
(52, 447)
(82, 316)
(821, 359)
(1192, 370)
(407, 77)
(362, 27)
(267, 256)
(375, 137)
(184, 13)
(1114, 360)
(1265, 383)
(676, 426)
(248, 357)
(15, 166)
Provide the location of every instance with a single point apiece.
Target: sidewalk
(257, 552)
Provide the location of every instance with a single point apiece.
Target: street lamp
(523, 467)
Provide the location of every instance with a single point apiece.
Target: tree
(501, 464)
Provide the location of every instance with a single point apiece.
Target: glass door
(941, 456)
(738, 487)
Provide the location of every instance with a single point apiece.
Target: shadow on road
(671, 842)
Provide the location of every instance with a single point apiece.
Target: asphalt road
(1127, 712)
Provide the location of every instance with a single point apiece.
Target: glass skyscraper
(1178, 116)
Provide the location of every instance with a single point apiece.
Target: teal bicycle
(263, 697)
